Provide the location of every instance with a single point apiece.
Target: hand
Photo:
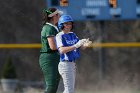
(87, 43)
(80, 43)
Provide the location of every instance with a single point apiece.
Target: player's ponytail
(45, 15)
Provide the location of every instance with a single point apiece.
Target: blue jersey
(67, 39)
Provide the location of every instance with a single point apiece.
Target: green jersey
(48, 30)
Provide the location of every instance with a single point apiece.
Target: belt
(54, 51)
(68, 61)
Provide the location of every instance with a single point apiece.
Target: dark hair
(45, 13)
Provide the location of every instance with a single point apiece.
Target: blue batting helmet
(63, 19)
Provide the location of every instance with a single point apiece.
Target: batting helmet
(63, 19)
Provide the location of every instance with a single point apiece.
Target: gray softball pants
(68, 72)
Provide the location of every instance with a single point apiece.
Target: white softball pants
(68, 72)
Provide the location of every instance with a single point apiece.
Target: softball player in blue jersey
(68, 45)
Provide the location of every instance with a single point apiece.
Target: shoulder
(72, 33)
(48, 27)
(60, 34)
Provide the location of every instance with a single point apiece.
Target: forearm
(66, 49)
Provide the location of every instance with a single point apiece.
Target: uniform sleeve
(48, 31)
(59, 41)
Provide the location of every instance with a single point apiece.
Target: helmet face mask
(63, 19)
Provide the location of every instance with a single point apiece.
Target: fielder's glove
(87, 43)
(80, 43)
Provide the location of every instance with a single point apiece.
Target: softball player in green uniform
(49, 57)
